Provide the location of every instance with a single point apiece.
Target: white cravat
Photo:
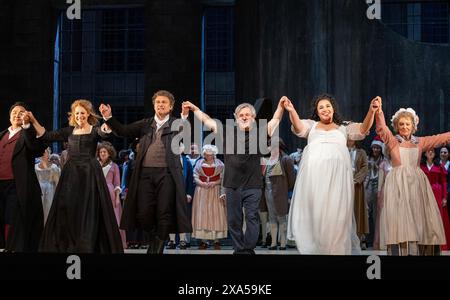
(13, 132)
(160, 123)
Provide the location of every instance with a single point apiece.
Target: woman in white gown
(321, 212)
(48, 175)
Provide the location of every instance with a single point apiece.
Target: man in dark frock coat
(156, 199)
(21, 213)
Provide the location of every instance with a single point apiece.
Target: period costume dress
(209, 213)
(437, 177)
(112, 176)
(48, 180)
(81, 219)
(410, 216)
(321, 213)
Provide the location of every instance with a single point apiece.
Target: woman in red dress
(437, 174)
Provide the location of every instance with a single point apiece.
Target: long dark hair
(373, 156)
(436, 160)
(336, 116)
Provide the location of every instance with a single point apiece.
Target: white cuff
(39, 136)
(105, 129)
(107, 118)
(26, 126)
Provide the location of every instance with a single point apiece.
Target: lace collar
(414, 139)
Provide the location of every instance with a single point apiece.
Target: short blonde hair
(404, 114)
(87, 105)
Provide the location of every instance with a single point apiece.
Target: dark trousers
(8, 208)
(156, 202)
(249, 200)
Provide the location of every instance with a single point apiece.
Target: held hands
(105, 110)
(282, 102)
(28, 117)
(25, 118)
(376, 105)
(287, 104)
(188, 106)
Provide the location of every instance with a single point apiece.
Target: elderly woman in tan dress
(209, 212)
(410, 220)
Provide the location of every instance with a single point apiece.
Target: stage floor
(259, 251)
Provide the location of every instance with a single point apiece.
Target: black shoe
(182, 245)
(263, 246)
(273, 248)
(171, 245)
(269, 240)
(203, 246)
(282, 248)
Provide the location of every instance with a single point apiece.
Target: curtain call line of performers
(84, 219)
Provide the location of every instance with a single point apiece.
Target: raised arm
(383, 131)
(277, 117)
(39, 129)
(131, 131)
(299, 126)
(36, 147)
(204, 118)
(435, 141)
(375, 106)
(43, 135)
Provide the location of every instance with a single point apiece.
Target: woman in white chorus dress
(321, 212)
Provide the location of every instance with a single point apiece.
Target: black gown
(81, 219)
